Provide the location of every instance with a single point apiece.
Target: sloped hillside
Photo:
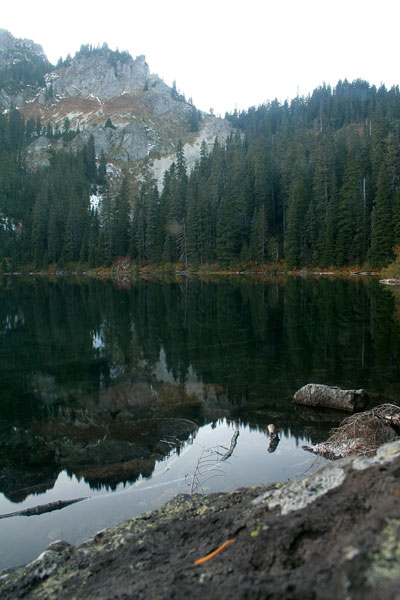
(131, 113)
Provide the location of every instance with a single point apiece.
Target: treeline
(312, 182)
(88, 50)
(256, 343)
(45, 215)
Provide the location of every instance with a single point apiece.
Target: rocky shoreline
(335, 534)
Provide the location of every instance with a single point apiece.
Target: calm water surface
(127, 396)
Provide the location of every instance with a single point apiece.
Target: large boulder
(315, 394)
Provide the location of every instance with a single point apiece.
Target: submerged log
(42, 508)
(315, 394)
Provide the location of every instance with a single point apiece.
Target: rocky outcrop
(332, 535)
(148, 116)
(212, 128)
(314, 394)
(37, 154)
(9, 43)
(12, 52)
(97, 77)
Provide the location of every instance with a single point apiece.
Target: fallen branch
(42, 508)
(232, 446)
(209, 460)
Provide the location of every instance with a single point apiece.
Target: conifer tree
(122, 219)
(90, 159)
(351, 224)
(102, 172)
(259, 235)
(39, 226)
(296, 210)
(106, 238)
(382, 231)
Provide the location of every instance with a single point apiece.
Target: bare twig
(209, 460)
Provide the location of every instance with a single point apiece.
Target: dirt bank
(334, 535)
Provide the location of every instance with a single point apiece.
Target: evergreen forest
(311, 182)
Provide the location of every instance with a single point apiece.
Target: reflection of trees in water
(200, 351)
(258, 342)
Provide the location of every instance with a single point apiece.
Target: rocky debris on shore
(335, 534)
(315, 394)
(361, 433)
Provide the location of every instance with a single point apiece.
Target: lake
(126, 395)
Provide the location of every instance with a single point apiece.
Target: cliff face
(95, 76)
(148, 117)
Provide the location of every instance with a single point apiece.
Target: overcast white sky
(225, 53)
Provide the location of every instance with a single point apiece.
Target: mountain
(102, 160)
(131, 113)
(23, 65)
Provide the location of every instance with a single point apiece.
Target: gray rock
(95, 77)
(37, 153)
(211, 128)
(13, 51)
(9, 42)
(298, 494)
(314, 394)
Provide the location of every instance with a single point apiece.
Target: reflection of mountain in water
(114, 436)
(104, 382)
(109, 437)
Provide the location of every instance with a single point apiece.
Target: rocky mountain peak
(101, 73)
(12, 49)
(7, 41)
(131, 113)
(22, 67)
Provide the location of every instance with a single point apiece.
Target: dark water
(129, 396)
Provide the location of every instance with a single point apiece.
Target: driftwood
(361, 433)
(314, 394)
(274, 438)
(232, 446)
(42, 508)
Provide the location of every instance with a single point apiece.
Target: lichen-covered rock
(315, 394)
(335, 534)
(299, 494)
